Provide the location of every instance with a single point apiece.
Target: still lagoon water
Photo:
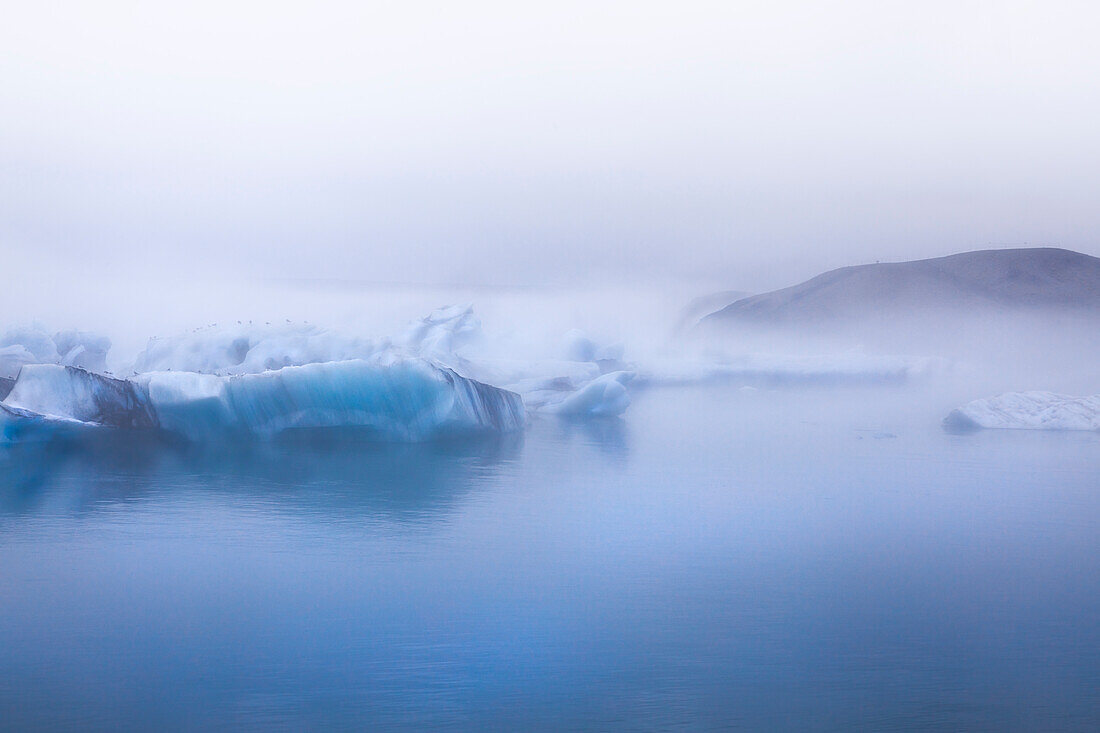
(720, 559)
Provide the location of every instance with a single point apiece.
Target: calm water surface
(797, 560)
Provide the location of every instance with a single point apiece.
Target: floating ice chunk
(604, 396)
(1028, 411)
(553, 385)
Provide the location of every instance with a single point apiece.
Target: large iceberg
(432, 379)
(405, 399)
(1028, 411)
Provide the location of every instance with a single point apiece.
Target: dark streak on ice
(115, 402)
(490, 404)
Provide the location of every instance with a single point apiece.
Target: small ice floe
(1028, 411)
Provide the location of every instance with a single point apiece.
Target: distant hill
(972, 281)
(704, 305)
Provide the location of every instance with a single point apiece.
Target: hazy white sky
(749, 143)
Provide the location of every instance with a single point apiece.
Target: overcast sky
(752, 143)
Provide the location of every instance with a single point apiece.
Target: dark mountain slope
(1000, 279)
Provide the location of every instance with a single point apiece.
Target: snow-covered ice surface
(1028, 411)
(250, 349)
(247, 348)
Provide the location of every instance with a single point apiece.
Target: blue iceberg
(401, 399)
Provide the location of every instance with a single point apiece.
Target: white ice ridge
(250, 349)
(1029, 411)
(247, 348)
(405, 399)
(214, 379)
